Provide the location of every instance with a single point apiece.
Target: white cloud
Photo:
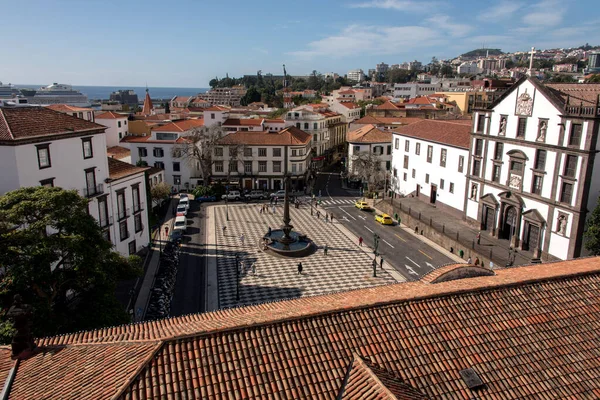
(400, 5)
(502, 10)
(546, 13)
(443, 22)
(370, 40)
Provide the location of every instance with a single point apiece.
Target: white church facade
(533, 173)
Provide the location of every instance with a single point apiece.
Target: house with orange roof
(215, 115)
(159, 149)
(260, 160)
(79, 112)
(180, 101)
(116, 124)
(369, 139)
(40, 146)
(349, 110)
(429, 162)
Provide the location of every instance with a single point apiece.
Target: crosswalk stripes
(337, 201)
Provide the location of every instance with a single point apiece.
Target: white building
(156, 150)
(313, 123)
(430, 162)
(39, 146)
(370, 139)
(350, 111)
(534, 176)
(356, 75)
(215, 115)
(259, 160)
(469, 67)
(253, 124)
(413, 89)
(116, 125)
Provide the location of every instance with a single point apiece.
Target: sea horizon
(103, 92)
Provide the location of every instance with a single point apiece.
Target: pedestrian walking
(260, 210)
(318, 214)
(254, 269)
(276, 200)
(360, 241)
(224, 229)
(325, 249)
(381, 263)
(242, 238)
(274, 209)
(326, 217)
(469, 260)
(269, 231)
(331, 218)
(476, 260)
(478, 237)
(299, 268)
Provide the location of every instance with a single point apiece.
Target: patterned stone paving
(345, 267)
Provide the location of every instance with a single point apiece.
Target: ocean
(103, 92)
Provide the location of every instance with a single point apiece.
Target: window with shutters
(218, 166)
(406, 145)
(496, 173)
(480, 123)
(418, 149)
(566, 193)
(248, 167)
(443, 155)
(536, 186)
(540, 160)
(405, 162)
(461, 163)
(262, 166)
(570, 166)
(476, 167)
(397, 143)
(521, 127)
(498, 151)
(429, 154)
(478, 147)
(575, 136)
(262, 151)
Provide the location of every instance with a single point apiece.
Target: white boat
(59, 93)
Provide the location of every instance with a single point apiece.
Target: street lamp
(375, 243)
(226, 203)
(374, 267)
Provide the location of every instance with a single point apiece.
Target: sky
(187, 43)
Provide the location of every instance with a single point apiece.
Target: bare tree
(367, 166)
(198, 149)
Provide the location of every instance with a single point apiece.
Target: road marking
(426, 255)
(388, 243)
(347, 213)
(363, 218)
(398, 236)
(413, 262)
(430, 265)
(410, 270)
(368, 229)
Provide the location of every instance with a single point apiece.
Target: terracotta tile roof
(118, 169)
(118, 152)
(290, 136)
(81, 372)
(275, 121)
(347, 92)
(368, 381)
(180, 99)
(20, 123)
(369, 119)
(528, 332)
(388, 105)
(67, 108)
(577, 93)
(183, 125)
(419, 100)
(217, 108)
(453, 133)
(148, 106)
(110, 115)
(369, 134)
(349, 105)
(243, 122)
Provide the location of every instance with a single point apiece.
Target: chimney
(21, 314)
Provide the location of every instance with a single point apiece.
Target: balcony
(92, 191)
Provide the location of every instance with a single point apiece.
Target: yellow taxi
(362, 205)
(384, 219)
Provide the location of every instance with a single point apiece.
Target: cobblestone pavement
(345, 267)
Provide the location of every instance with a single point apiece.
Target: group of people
(264, 208)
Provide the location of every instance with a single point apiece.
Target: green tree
(251, 96)
(592, 232)
(314, 83)
(213, 83)
(397, 76)
(54, 255)
(159, 192)
(593, 79)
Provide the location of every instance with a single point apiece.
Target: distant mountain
(482, 53)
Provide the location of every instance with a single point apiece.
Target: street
(189, 293)
(404, 251)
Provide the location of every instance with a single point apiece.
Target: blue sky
(186, 43)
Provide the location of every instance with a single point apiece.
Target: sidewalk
(156, 242)
(449, 231)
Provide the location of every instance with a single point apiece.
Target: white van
(180, 223)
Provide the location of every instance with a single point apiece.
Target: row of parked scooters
(164, 283)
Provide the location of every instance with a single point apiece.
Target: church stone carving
(524, 104)
(515, 182)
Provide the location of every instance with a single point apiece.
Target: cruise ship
(10, 96)
(58, 93)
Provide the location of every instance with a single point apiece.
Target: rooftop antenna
(530, 70)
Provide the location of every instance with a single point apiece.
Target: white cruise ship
(59, 93)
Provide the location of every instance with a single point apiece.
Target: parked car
(183, 195)
(233, 195)
(279, 193)
(180, 223)
(384, 219)
(362, 205)
(185, 201)
(257, 194)
(181, 209)
(176, 236)
(206, 198)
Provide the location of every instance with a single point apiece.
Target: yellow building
(466, 101)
